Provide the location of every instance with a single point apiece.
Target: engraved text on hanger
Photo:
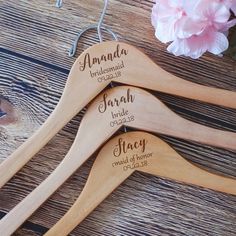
(90, 62)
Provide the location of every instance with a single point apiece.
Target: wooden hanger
(122, 105)
(119, 158)
(95, 68)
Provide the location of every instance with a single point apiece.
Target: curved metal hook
(98, 27)
(73, 48)
(59, 3)
(101, 20)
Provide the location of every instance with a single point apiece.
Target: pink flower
(194, 46)
(230, 4)
(166, 15)
(206, 14)
(193, 27)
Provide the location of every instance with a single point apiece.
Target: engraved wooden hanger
(122, 105)
(119, 158)
(94, 69)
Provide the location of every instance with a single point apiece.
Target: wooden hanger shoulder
(136, 108)
(119, 158)
(124, 63)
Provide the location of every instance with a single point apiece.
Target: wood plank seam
(36, 61)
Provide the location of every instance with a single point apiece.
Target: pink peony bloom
(193, 27)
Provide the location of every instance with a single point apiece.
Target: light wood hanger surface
(119, 158)
(91, 73)
(140, 110)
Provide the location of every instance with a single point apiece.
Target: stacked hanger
(119, 158)
(95, 68)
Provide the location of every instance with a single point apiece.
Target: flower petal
(221, 13)
(186, 27)
(165, 32)
(219, 43)
(233, 8)
(178, 47)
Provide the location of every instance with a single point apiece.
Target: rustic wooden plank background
(34, 40)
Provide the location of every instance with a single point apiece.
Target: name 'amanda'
(91, 61)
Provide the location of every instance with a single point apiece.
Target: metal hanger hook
(59, 3)
(101, 20)
(97, 27)
(73, 48)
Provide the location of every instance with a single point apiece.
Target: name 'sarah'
(105, 103)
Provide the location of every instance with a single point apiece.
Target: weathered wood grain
(24, 232)
(33, 69)
(30, 94)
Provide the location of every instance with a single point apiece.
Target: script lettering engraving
(90, 62)
(116, 102)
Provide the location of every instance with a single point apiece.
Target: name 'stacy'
(124, 147)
